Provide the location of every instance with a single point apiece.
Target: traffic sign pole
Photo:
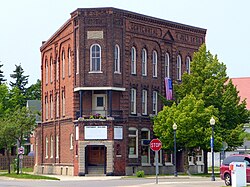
(155, 146)
(156, 167)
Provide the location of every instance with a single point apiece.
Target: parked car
(225, 173)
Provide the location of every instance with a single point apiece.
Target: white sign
(21, 150)
(95, 132)
(118, 132)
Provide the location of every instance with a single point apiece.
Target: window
(71, 141)
(46, 108)
(133, 142)
(69, 62)
(178, 65)
(188, 65)
(133, 60)
(63, 103)
(144, 62)
(133, 101)
(57, 68)
(144, 102)
(77, 60)
(57, 146)
(168, 158)
(95, 58)
(51, 70)
(167, 65)
(155, 95)
(57, 105)
(46, 72)
(145, 148)
(117, 59)
(63, 65)
(51, 106)
(154, 64)
(77, 132)
(46, 147)
(51, 147)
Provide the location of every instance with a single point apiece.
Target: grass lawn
(27, 176)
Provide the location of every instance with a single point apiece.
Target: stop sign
(155, 145)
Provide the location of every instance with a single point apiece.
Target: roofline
(146, 17)
(99, 88)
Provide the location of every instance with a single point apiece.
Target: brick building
(102, 72)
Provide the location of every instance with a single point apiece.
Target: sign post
(155, 145)
(20, 155)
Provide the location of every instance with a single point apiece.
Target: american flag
(169, 88)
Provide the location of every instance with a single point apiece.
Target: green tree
(20, 82)
(4, 99)
(34, 91)
(192, 119)
(24, 121)
(2, 80)
(7, 137)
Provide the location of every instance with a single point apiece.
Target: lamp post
(212, 123)
(174, 128)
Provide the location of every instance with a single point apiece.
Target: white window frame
(57, 105)
(46, 72)
(71, 141)
(51, 70)
(57, 68)
(117, 59)
(63, 64)
(46, 147)
(155, 56)
(63, 103)
(167, 65)
(51, 106)
(94, 57)
(148, 147)
(178, 67)
(133, 101)
(77, 61)
(133, 61)
(188, 60)
(144, 62)
(77, 132)
(46, 108)
(69, 62)
(57, 146)
(51, 147)
(155, 102)
(136, 137)
(144, 102)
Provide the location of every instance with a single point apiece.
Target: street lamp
(212, 123)
(174, 128)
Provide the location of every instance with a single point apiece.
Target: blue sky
(25, 24)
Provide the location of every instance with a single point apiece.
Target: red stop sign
(155, 145)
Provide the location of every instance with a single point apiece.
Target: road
(113, 182)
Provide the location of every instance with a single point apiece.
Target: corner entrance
(95, 159)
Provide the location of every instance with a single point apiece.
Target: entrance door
(99, 104)
(96, 155)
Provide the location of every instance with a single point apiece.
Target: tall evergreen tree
(34, 91)
(2, 80)
(20, 80)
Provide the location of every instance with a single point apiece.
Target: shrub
(140, 173)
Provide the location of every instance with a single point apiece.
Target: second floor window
(167, 65)
(155, 102)
(154, 64)
(188, 65)
(95, 58)
(133, 60)
(133, 101)
(144, 62)
(63, 103)
(51, 70)
(69, 62)
(117, 59)
(51, 106)
(178, 67)
(63, 64)
(46, 72)
(144, 102)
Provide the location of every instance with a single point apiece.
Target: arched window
(117, 59)
(133, 60)
(69, 62)
(188, 64)
(144, 62)
(154, 64)
(51, 70)
(46, 71)
(167, 65)
(178, 67)
(95, 58)
(63, 65)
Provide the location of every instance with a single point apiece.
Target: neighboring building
(102, 72)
